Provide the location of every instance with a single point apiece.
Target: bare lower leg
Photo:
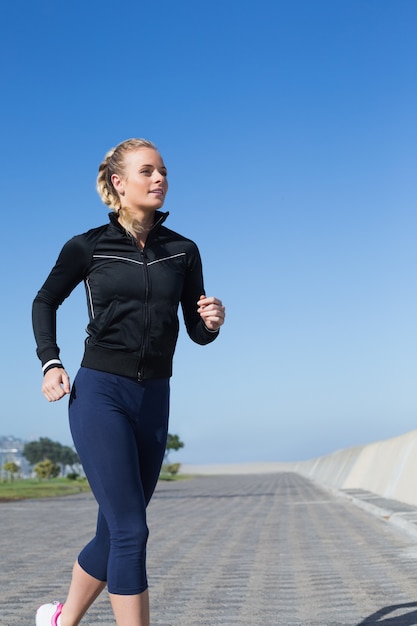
(131, 610)
(84, 589)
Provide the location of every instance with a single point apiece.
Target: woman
(136, 272)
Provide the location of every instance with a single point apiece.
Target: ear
(118, 184)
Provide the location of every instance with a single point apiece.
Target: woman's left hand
(212, 312)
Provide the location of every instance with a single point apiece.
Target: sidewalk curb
(405, 519)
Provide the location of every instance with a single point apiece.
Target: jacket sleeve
(192, 290)
(68, 272)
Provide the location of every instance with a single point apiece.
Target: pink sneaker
(48, 614)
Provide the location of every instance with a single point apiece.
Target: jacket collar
(160, 217)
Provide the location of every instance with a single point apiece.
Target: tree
(68, 457)
(173, 443)
(37, 451)
(46, 469)
(11, 467)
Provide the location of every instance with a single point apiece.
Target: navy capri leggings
(119, 426)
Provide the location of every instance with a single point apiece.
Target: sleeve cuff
(50, 364)
(211, 331)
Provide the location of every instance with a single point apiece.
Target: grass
(23, 489)
(167, 476)
(29, 488)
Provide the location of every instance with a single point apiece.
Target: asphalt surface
(250, 550)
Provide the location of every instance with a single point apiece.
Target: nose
(159, 178)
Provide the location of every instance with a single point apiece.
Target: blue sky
(289, 131)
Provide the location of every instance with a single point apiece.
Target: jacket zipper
(146, 322)
(146, 316)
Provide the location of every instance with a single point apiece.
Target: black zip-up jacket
(132, 297)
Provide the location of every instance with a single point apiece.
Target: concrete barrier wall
(388, 468)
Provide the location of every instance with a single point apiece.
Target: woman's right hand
(56, 384)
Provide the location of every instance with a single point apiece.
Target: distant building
(11, 449)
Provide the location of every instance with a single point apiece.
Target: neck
(141, 221)
(137, 224)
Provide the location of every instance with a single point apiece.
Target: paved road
(260, 550)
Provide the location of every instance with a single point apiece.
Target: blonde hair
(114, 163)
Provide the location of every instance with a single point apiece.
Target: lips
(158, 192)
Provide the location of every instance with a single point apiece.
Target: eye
(146, 170)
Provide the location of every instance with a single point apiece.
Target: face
(144, 184)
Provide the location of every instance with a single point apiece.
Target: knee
(131, 538)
